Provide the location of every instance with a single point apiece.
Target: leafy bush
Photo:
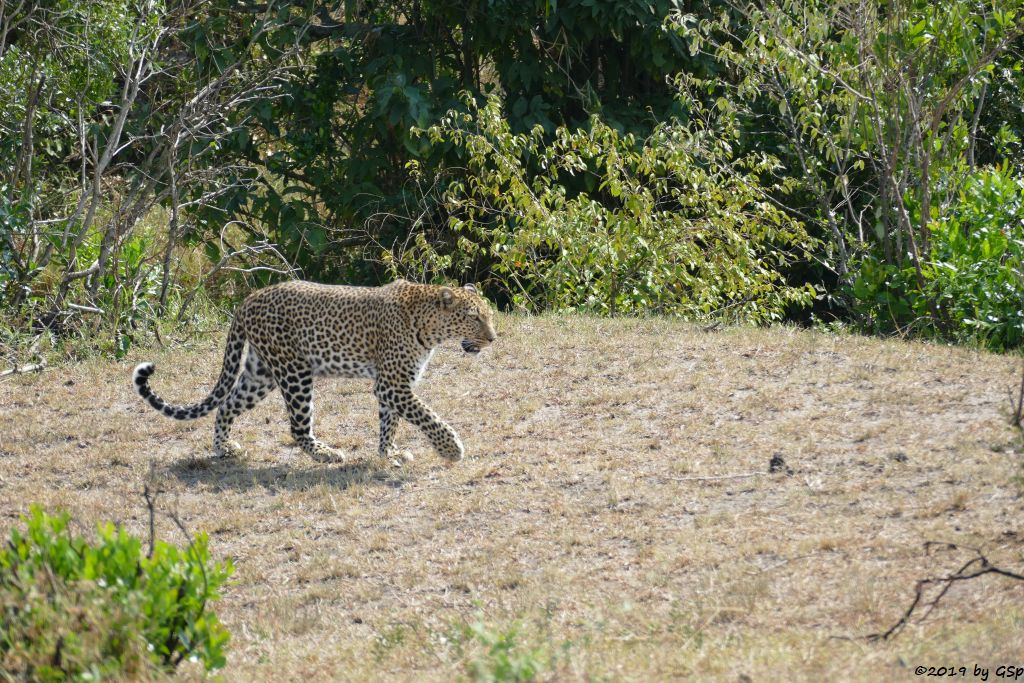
(504, 659)
(600, 221)
(975, 270)
(71, 608)
(882, 116)
(500, 656)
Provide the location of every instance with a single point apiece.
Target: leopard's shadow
(239, 474)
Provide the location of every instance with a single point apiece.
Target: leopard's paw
(321, 452)
(229, 449)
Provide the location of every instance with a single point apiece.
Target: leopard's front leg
(387, 449)
(398, 400)
(296, 383)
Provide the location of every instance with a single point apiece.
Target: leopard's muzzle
(484, 338)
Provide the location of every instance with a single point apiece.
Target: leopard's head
(466, 314)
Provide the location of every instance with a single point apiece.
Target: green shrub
(508, 653)
(600, 221)
(975, 270)
(503, 659)
(74, 609)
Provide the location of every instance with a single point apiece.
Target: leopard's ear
(470, 288)
(447, 298)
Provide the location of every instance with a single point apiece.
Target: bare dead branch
(259, 250)
(85, 309)
(977, 566)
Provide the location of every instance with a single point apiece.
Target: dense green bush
(882, 115)
(673, 223)
(70, 608)
(339, 133)
(503, 659)
(152, 154)
(975, 269)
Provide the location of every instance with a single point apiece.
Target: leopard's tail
(228, 375)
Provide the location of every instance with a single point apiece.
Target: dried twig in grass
(173, 514)
(174, 517)
(1017, 407)
(742, 475)
(150, 496)
(150, 492)
(32, 367)
(972, 569)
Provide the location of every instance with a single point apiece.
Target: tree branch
(977, 566)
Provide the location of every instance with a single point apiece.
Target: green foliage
(65, 71)
(720, 159)
(879, 113)
(674, 223)
(338, 139)
(975, 271)
(73, 54)
(499, 655)
(85, 610)
(13, 221)
(504, 660)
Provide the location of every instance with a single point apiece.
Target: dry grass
(585, 524)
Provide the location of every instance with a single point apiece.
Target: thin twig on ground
(174, 517)
(150, 495)
(173, 514)
(1017, 407)
(742, 475)
(86, 309)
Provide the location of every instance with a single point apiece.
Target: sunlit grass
(614, 518)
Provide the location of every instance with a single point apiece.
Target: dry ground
(584, 530)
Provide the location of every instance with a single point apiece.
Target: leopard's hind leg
(255, 382)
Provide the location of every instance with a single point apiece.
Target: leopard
(291, 332)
